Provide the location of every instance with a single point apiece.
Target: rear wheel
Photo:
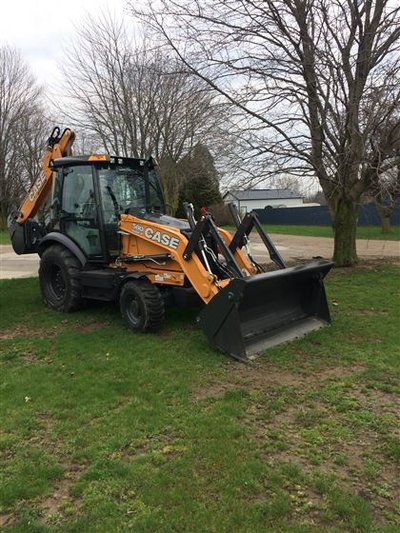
(59, 279)
(142, 306)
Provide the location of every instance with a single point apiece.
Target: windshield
(123, 190)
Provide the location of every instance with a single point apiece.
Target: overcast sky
(40, 28)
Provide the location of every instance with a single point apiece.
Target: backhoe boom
(57, 146)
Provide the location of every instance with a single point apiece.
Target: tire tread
(153, 302)
(72, 265)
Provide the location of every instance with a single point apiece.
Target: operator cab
(90, 193)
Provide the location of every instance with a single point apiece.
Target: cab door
(79, 210)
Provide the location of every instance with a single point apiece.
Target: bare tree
(386, 194)
(21, 135)
(317, 197)
(385, 187)
(291, 183)
(302, 72)
(137, 101)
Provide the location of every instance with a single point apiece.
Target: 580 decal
(157, 236)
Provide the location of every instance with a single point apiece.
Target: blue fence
(319, 216)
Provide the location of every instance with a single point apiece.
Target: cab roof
(71, 161)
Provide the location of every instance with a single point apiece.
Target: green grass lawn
(4, 237)
(363, 232)
(103, 430)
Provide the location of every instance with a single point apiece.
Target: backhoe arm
(57, 146)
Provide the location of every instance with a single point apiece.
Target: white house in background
(263, 199)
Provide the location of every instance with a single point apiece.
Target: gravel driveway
(290, 247)
(297, 247)
(17, 266)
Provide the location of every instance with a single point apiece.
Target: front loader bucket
(254, 313)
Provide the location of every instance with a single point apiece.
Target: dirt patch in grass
(320, 441)
(167, 446)
(371, 312)
(6, 519)
(168, 334)
(61, 501)
(24, 331)
(30, 357)
(370, 265)
(42, 435)
(213, 390)
(50, 332)
(92, 326)
(361, 473)
(336, 372)
(264, 376)
(378, 400)
(338, 437)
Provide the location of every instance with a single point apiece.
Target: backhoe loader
(107, 237)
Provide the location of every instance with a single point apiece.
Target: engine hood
(166, 220)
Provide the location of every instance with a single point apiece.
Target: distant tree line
(23, 129)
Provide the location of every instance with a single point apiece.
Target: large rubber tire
(142, 306)
(59, 279)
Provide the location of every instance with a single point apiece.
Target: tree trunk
(3, 218)
(385, 224)
(384, 213)
(344, 215)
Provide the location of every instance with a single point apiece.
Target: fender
(65, 241)
(105, 284)
(135, 275)
(131, 276)
(128, 277)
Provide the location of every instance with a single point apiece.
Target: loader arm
(57, 146)
(149, 242)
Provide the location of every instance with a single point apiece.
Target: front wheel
(142, 306)
(59, 279)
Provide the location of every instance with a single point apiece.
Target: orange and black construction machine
(107, 237)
